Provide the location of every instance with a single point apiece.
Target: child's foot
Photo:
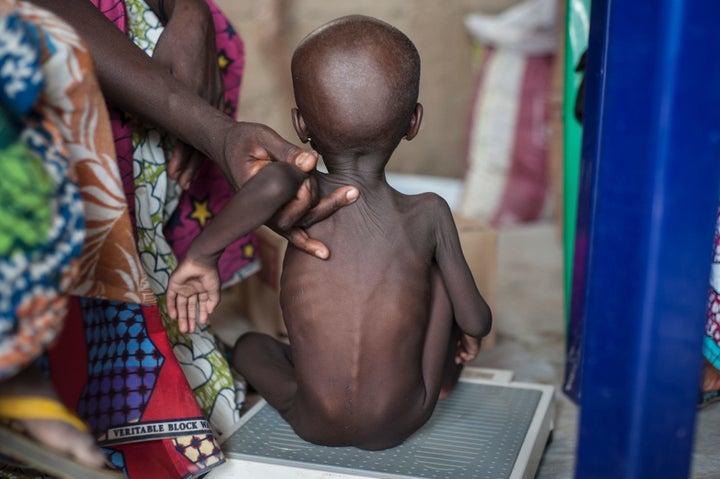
(452, 367)
(451, 375)
(66, 435)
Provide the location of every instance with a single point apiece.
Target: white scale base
(489, 428)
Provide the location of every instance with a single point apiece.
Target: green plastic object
(576, 40)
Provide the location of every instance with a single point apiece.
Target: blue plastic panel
(651, 170)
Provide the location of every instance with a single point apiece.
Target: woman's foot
(711, 377)
(56, 434)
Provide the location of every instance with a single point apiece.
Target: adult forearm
(132, 81)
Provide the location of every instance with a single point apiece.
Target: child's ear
(414, 122)
(299, 125)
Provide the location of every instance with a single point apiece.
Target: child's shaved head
(356, 83)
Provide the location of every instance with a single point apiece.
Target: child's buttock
(371, 415)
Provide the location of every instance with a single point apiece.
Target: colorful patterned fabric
(166, 221)
(41, 219)
(124, 378)
(131, 383)
(711, 342)
(210, 191)
(133, 393)
(109, 261)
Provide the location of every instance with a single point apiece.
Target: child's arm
(195, 285)
(471, 312)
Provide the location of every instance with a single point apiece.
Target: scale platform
(489, 428)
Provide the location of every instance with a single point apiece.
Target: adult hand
(248, 147)
(187, 48)
(305, 210)
(251, 146)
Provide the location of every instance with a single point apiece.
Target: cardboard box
(260, 292)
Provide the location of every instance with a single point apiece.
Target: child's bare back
(359, 323)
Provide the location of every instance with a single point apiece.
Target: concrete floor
(530, 329)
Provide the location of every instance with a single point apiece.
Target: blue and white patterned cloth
(41, 219)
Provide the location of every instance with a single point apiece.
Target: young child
(377, 328)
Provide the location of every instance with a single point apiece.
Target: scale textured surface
(476, 433)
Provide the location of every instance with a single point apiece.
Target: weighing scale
(490, 427)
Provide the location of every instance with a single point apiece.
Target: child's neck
(367, 170)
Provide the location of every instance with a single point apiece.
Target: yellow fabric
(35, 407)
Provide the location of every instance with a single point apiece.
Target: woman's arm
(144, 88)
(148, 90)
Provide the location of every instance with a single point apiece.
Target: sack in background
(507, 176)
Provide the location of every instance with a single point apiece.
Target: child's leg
(267, 365)
(452, 370)
(439, 368)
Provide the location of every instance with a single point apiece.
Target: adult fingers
(329, 204)
(300, 239)
(192, 166)
(184, 163)
(279, 149)
(248, 147)
(178, 157)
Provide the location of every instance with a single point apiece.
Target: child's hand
(193, 293)
(467, 349)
